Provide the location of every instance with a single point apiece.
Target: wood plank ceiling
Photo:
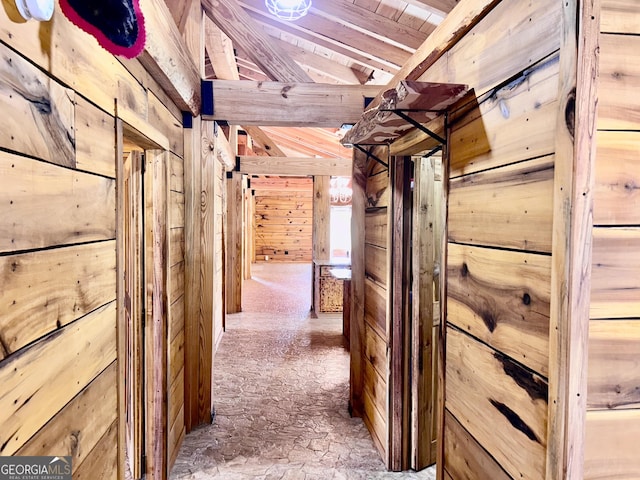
(345, 42)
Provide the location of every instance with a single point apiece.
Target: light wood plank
(376, 227)
(37, 196)
(42, 108)
(49, 374)
(490, 134)
(618, 106)
(45, 290)
(617, 183)
(293, 166)
(321, 234)
(615, 284)
(79, 426)
(102, 462)
(503, 299)
(95, 137)
(614, 366)
(502, 405)
(376, 264)
(620, 16)
(164, 121)
(262, 139)
(507, 207)
(610, 446)
(465, 458)
(220, 50)
(288, 103)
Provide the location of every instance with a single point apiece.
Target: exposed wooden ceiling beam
(288, 104)
(340, 35)
(261, 183)
(356, 55)
(167, 58)
(295, 166)
(180, 11)
(244, 33)
(220, 50)
(453, 28)
(263, 141)
(439, 7)
(365, 20)
(330, 68)
(311, 142)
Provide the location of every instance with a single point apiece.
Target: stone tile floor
(281, 387)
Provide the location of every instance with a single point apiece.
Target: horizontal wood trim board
(37, 196)
(45, 290)
(504, 408)
(610, 445)
(614, 369)
(502, 298)
(510, 207)
(288, 103)
(615, 283)
(295, 166)
(46, 376)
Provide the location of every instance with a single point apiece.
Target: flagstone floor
(281, 386)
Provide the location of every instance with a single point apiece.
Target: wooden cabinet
(327, 289)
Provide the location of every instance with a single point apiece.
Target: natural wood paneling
(376, 227)
(49, 374)
(375, 309)
(465, 459)
(514, 35)
(375, 422)
(376, 388)
(507, 207)
(611, 448)
(618, 104)
(615, 286)
(321, 217)
(95, 139)
(500, 403)
(490, 134)
(102, 461)
(378, 186)
(376, 263)
(617, 183)
(502, 298)
(284, 222)
(375, 350)
(620, 16)
(614, 365)
(46, 205)
(170, 126)
(45, 290)
(42, 108)
(80, 425)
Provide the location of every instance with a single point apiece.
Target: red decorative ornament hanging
(118, 25)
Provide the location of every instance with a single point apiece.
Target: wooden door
(133, 310)
(425, 308)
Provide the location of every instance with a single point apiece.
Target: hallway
(281, 385)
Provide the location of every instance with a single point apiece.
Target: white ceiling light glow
(41, 10)
(288, 9)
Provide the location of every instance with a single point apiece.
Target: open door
(133, 272)
(425, 308)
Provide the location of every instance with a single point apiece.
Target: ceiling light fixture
(289, 10)
(40, 10)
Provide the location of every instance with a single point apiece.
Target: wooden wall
(283, 218)
(375, 334)
(58, 355)
(613, 402)
(500, 214)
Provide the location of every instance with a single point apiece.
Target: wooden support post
(235, 199)
(321, 218)
(192, 185)
(156, 267)
(356, 338)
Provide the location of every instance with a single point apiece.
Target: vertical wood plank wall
(500, 215)
(613, 400)
(283, 218)
(58, 353)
